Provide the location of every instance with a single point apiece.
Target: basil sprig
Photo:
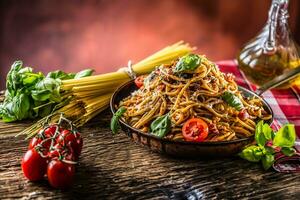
(161, 126)
(232, 100)
(269, 143)
(114, 123)
(187, 63)
(58, 74)
(30, 94)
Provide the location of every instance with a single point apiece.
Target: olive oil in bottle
(273, 51)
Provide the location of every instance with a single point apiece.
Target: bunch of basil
(269, 143)
(31, 95)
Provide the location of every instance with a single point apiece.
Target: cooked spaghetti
(186, 90)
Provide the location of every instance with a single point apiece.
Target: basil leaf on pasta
(232, 100)
(161, 126)
(187, 63)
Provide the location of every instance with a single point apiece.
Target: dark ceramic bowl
(181, 148)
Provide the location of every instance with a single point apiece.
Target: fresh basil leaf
(161, 126)
(21, 106)
(16, 109)
(42, 95)
(268, 132)
(30, 80)
(286, 136)
(259, 134)
(267, 161)
(25, 70)
(84, 73)
(47, 84)
(232, 100)
(6, 112)
(187, 63)
(13, 78)
(269, 150)
(47, 89)
(252, 153)
(58, 74)
(288, 151)
(114, 123)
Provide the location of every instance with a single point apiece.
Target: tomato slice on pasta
(195, 129)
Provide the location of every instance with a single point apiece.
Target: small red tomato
(139, 81)
(70, 156)
(60, 174)
(33, 165)
(50, 131)
(40, 139)
(56, 151)
(66, 137)
(79, 144)
(33, 142)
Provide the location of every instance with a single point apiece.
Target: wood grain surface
(112, 167)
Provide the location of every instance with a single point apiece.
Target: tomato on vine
(60, 174)
(74, 140)
(34, 166)
(53, 151)
(34, 142)
(50, 131)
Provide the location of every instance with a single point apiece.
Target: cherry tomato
(40, 139)
(34, 167)
(56, 151)
(66, 137)
(139, 81)
(50, 131)
(70, 156)
(33, 142)
(60, 174)
(195, 129)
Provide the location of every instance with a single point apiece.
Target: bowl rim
(166, 140)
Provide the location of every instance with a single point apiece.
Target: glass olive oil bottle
(273, 51)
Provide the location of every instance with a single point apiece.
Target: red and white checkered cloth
(285, 103)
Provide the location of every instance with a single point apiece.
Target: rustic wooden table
(112, 167)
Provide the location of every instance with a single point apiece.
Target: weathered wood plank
(112, 167)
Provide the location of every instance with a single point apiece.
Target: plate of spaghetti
(189, 108)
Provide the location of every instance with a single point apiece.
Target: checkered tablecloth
(285, 103)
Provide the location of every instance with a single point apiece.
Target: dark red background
(73, 35)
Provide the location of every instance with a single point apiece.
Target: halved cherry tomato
(33, 165)
(139, 81)
(60, 174)
(195, 129)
